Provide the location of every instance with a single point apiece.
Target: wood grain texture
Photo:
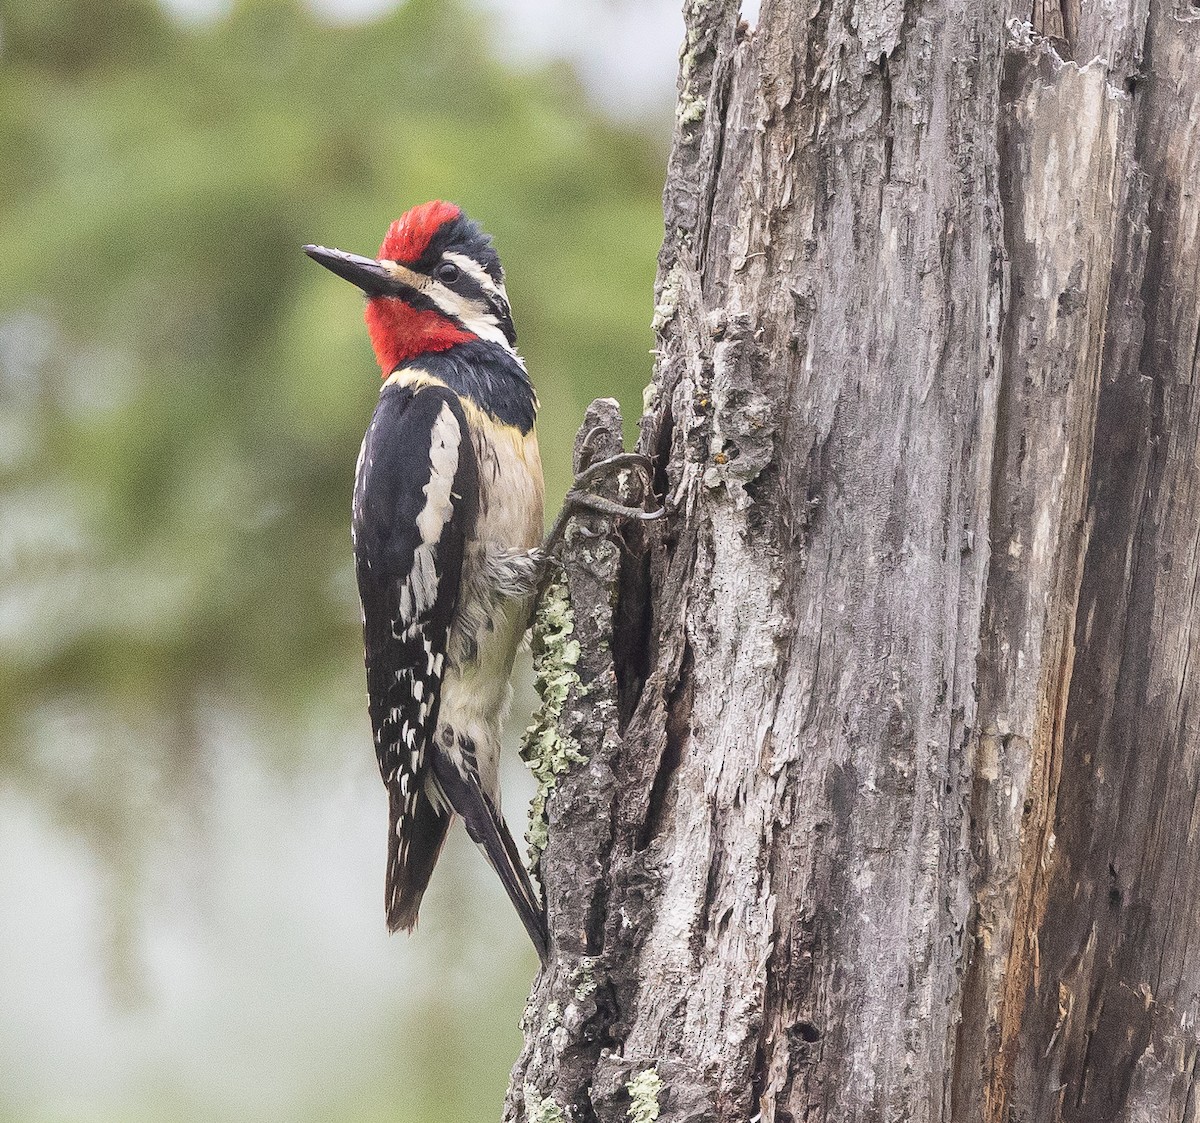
(890, 804)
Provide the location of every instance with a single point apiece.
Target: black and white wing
(415, 499)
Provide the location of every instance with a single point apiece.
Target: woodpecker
(446, 525)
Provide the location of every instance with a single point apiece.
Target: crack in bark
(633, 626)
(678, 730)
(885, 117)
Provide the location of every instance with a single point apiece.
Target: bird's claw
(604, 506)
(578, 498)
(613, 463)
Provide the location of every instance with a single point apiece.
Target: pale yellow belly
(499, 575)
(511, 490)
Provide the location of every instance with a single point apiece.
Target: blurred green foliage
(182, 392)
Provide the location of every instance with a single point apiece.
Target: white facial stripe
(403, 274)
(475, 319)
(468, 313)
(428, 285)
(477, 273)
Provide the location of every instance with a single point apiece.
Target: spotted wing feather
(415, 500)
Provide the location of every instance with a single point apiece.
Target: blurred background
(191, 821)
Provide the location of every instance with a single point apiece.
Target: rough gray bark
(890, 809)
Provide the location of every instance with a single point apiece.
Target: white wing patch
(419, 591)
(443, 464)
(356, 504)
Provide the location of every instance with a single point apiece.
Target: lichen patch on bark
(547, 749)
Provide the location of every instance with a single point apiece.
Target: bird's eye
(447, 272)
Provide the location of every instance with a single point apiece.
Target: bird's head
(437, 282)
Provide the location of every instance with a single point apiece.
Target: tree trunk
(889, 806)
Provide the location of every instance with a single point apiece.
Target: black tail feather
(497, 843)
(410, 866)
(488, 830)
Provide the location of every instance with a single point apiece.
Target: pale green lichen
(585, 980)
(649, 396)
(643, 1090)
(539, 1109)
(690, 109)
(668, 298)
(549, 752)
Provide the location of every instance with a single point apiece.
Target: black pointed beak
(365, 272)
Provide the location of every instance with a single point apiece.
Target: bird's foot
(579, 498)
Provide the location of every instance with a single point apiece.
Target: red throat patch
(409, 235)
(399, 332)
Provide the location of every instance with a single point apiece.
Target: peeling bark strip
(888, 807)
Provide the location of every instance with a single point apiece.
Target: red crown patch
(410, 234)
